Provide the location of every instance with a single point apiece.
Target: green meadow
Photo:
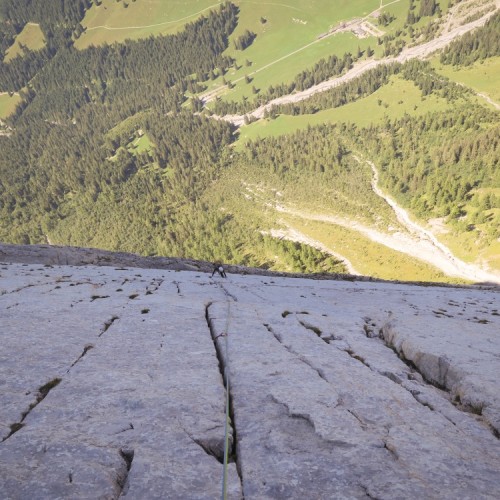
(465, 246)
(393, 100)
(483, 76)
(8, 104)
(141, 144)
(31, 37)
(116, 21)
(288, 40)
(286, 33)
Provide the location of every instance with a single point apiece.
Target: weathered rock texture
(111, 386)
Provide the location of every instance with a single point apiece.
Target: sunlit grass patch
(30, 37)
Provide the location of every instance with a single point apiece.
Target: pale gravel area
(417, 242)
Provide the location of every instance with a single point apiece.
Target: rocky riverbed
(112, 385)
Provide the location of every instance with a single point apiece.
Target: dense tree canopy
(483, 43)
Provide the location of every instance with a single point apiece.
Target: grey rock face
(111, 385)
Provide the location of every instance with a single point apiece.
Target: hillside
(358, 137)
(113, 383)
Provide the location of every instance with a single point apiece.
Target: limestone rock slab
(111, 385)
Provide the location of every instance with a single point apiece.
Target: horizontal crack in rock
(357, 357)
(95, 297)
(303, 416)
(107, 325)
(300, 357)
(85, 350)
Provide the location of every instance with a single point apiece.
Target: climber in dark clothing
(219, 269)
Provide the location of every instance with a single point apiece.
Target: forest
(72, 171)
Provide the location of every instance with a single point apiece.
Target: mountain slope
(117, 156)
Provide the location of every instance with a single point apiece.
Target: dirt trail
(144, 26)
(488, 99)
(419, 51)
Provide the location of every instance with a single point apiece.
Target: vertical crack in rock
(233, 444)
(86, 349)
(127, 454)
(440, 382)
(176, 283)
(107, 325)
(362, 423)
(43, 392)
(385, 337)
(369, 329)
(299, 356)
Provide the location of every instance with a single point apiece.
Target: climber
(219, 269)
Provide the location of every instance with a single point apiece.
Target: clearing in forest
(30, 37)
(119, 20)
(8, 104)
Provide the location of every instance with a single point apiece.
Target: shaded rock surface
(111, 386)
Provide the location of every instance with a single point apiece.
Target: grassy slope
(8, 104)
(370, 258)
(31, 36)
(140, 19)
(397, 98)
(288, 42)
(285, 43)
(482, 76)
